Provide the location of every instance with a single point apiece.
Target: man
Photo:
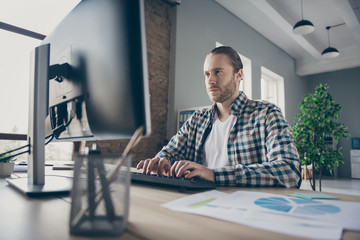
(237, 141)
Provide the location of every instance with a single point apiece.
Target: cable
(11, 156)
(57, 131)
(52, 137)
(5, 158)
(68, 110)
(28, 145)
(55, 134)
(68, 123)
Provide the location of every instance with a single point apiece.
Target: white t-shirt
(215, 147)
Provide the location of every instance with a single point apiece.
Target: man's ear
(239, 75)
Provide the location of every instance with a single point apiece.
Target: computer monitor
(89, 80)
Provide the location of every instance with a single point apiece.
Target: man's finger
(145, 165)
(151, 166)
(140, 164)
(163, 166)
(172, 169)
(185, 166)
(191, 174)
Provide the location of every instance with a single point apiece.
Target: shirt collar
(239, 103)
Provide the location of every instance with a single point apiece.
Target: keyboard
(182, 183)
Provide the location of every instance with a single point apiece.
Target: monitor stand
(36, 183)
(54, 186)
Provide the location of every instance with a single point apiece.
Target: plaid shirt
(261, 151)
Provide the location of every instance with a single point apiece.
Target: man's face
(221, 82)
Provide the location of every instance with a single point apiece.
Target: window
(39, 16)
(14, 81)
(272, 88)
(245, 84)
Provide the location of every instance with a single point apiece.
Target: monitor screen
(103, 85)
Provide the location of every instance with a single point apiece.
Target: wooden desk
(48, 218)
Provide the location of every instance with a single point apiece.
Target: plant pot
(6, 169)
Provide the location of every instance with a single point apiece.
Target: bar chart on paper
(297, 206)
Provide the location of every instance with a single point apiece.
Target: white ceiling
(275, 19)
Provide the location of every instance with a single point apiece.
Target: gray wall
(345, 89)
(199, 25)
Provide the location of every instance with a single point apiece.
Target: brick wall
(157, 20)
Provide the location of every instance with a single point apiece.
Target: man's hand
(190, 169)
(160, 166)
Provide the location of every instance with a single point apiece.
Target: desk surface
(48, 218)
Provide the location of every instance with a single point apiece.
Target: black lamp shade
(330, 52)
(303, 27)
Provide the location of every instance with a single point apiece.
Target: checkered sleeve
(279, 167)
(180, 144)
(175, 147)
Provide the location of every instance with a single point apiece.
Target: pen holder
(100, 195)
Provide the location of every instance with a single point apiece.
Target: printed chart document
(313, 196)
(316, 219)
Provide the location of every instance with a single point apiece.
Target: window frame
(24, 32)
(268, 75)
(27, 33)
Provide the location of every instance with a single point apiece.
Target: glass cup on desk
(100, 195)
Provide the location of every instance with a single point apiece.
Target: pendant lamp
(330, 52)
(303, 27)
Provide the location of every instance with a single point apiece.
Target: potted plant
(317, 123)
(6, 165)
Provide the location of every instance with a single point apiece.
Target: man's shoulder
(259, 105)
(198, 119)
(203, 112)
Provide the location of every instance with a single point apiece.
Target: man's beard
(227, 92)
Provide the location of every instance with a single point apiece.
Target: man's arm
(281, 166)
(177, 148)
(182, 145)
